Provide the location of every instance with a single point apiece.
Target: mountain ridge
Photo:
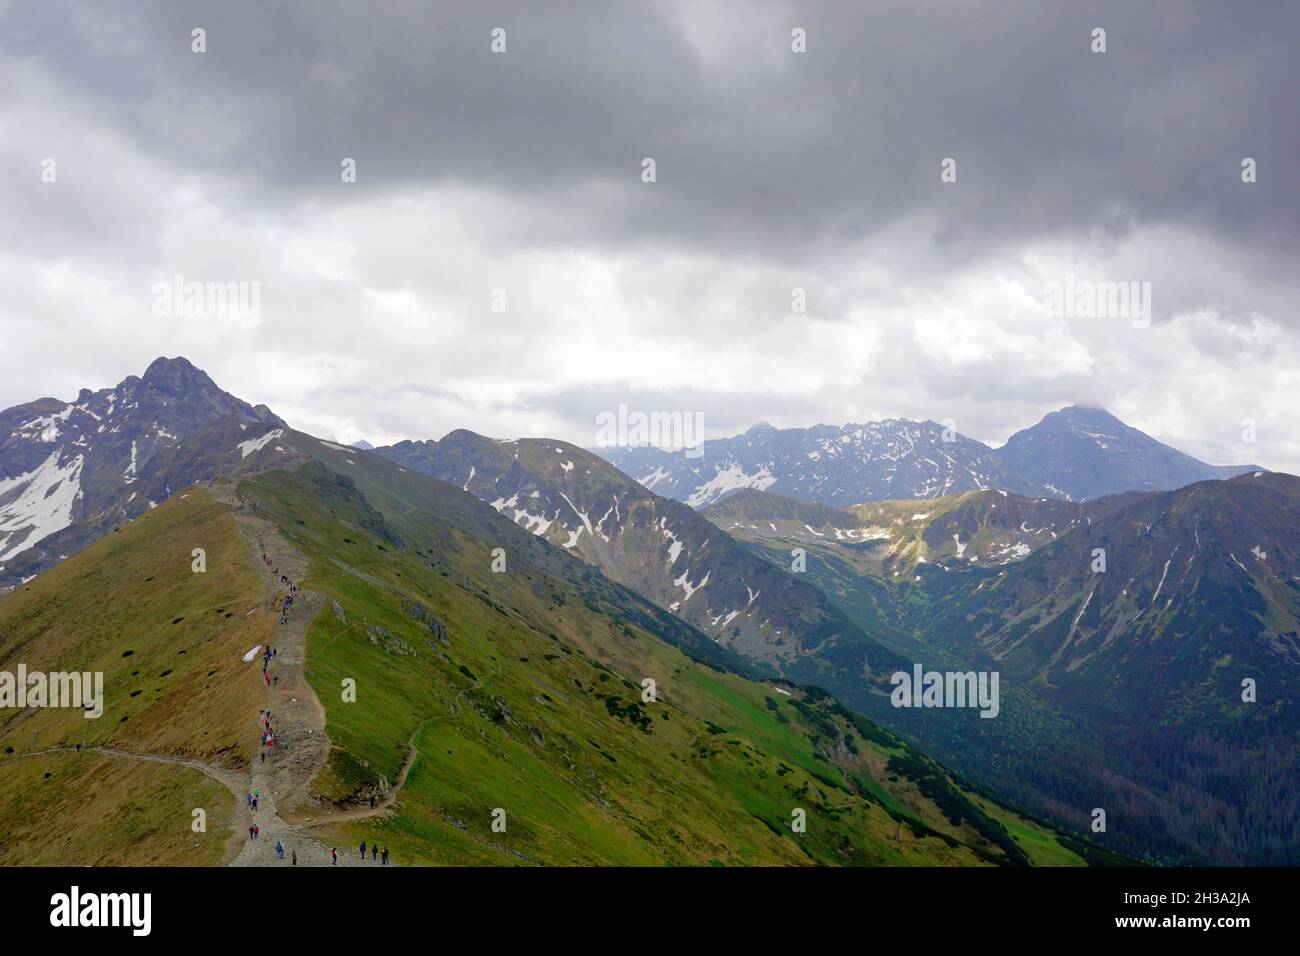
(660, 547)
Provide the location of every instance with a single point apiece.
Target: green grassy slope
(140, 813)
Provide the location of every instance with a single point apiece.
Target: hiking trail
(297, 716)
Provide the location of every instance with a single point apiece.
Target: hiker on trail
(372, 801)
(385, 855)
(374, 851)
(363, 849)
(334, 856)
(257, 831)
(251, 835)
(255, 804)
(295, 857)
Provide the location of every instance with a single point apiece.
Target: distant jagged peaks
(836, 465)
(1076, 453)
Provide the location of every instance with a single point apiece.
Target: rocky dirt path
(297, 716)
(286, 807)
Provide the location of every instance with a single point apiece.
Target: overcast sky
(521, 171)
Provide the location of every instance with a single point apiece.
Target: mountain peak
(163, 371)
(1081, 452)
(1093, 414)
(71, 470)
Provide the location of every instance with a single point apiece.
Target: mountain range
(1074, 454)
(1123, 682)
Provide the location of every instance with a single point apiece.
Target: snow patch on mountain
(129, 475)
(42, 506)
(674, 549)
(684, 583)
(44, 429)
(254, 445)
(731, 478)
(586, 521)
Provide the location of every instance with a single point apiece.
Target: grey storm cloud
(758, 152)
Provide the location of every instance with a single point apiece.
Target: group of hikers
(375, 853)
(255, 833)
(264, 719)
(250, 800)
(288, 603)
(284, 579)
